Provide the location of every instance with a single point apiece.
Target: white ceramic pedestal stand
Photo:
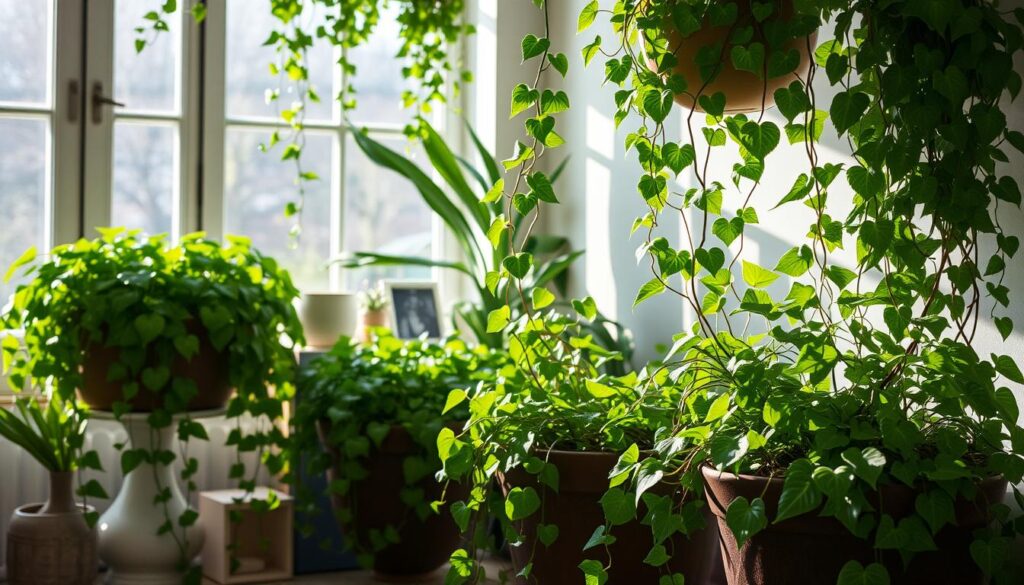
(128, 539)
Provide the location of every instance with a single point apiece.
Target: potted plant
(581, 496)
(373, 304)
(50, 543)
(174, 329)
(857, 436)
(371, 413)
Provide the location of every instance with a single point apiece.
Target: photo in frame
(415, 309)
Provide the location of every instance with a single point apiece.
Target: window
(95, 133)
(354, 205)
(38, 127)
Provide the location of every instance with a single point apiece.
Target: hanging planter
(743, 50)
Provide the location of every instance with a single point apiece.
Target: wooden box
(263, 537)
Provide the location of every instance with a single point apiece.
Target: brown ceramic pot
(744, 91)
(424, 545)
(208, 368)
(576, 509)
(811, 550)
(51, 543)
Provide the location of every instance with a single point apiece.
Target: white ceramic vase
(128, 539)
(326, 316)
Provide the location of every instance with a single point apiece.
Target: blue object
(310, 554)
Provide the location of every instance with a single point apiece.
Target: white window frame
(98, 152)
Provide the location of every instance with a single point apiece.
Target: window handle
(99, 100)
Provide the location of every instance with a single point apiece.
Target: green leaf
(853, 573)
(132, 458)
(541, 186)
(990, 554)
(618, 507)
(521, 503)
(847, 109)
(757, 276)
(936, 507)
(149, 327)
(653, 287)
(533, 46)
(759, 139)
(542, 298)
(867, 464)
(749, 58)
(518, 265)
(591, 50)
(587, 16)
(657, 104)
(1006, 366)
(727, 230)
(455, 398)
(547, 533)
(553, 102)
(560, 62)
(799, 494)
(1005, 326)
(796, 261)
(498, 319)
(745, 518)
(26, 257)
(657, 556)
(522, 98)
(593, 572)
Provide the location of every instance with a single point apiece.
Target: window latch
(99, 100)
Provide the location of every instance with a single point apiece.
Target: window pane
(248, 62)
(378, 81)
(146, 81)
(145, 176)
(23, 191)
(384, 212)
(25, 58)
(257, 186)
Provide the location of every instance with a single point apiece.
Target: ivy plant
(357, 393)
(146, 299)
(862, 371)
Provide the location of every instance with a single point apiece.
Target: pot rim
(709, 471)
(31, 510)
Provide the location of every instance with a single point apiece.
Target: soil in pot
(745, 91)
(576, 510)
(51, 543)
(208, 368)
(811, 550)
(423, 546)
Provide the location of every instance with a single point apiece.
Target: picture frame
(414, 308)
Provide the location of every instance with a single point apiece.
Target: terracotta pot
(371, 319)
(51, 543)
(424, 546)
(208, 368)
(576, 509)
(744, 91)
(811, 550)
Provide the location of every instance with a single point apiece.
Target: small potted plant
(51, 542)
(373, 305)
(370, 416)
(155, 335)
